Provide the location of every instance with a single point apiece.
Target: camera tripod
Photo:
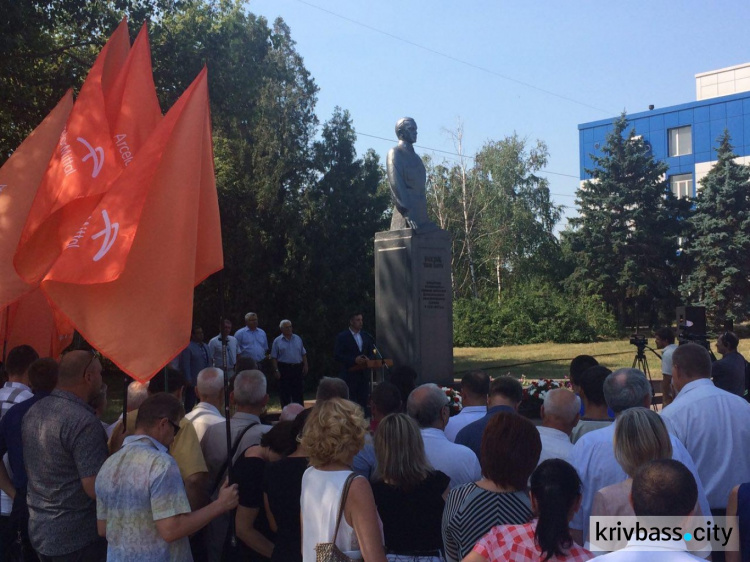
(641, 363)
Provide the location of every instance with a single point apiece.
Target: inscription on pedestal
(434, 295)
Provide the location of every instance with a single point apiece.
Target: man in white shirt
(560, 413)
(593, 454)
(661, 488)
(428, 405)
(15, 391)
(475, 387)
(210, 392)
(714, 425)
(664, 339)
(217, 350)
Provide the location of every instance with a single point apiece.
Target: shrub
(533, 313)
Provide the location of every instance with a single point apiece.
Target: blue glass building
(685, 136)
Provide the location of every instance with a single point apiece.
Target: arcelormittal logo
(95, 154)
(110, 235)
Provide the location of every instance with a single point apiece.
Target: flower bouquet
(455, 399)
(534, 393)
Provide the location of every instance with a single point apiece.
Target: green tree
(340, 212)
(625, 240)
(719, 241)
(262, 104)
(500, 214)
(517, 241)
(47, 47)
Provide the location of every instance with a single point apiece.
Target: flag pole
(125, 381)
(227, 420)
(5, 334)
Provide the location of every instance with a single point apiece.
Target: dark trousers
(189, 397)
(93, 552)
(359, 387)
(290, 383)
(16, 540)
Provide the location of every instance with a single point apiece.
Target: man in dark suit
(353, 348)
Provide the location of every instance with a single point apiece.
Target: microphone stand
(377, 353)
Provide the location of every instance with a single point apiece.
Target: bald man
(61, 495)
(560, 413)
(210, 392)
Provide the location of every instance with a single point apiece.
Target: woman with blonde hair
(409, 493)
(333, 435)
(640, 437)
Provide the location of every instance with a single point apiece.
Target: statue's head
(406, 129)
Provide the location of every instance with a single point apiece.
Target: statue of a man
(407, 178)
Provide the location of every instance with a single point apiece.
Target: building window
(682, 185)
(680, 141)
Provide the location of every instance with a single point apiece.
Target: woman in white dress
(333, 435)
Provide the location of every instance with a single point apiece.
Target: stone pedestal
(413, 302)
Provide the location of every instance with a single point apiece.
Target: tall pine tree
(719, 244)
(625, 239)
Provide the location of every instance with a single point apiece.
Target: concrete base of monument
(413, 301)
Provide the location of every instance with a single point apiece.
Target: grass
(535, 361)
(543, 360)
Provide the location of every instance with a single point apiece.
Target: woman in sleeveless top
(333, 435)
(410, 495)
(251, 524)
(282, 487)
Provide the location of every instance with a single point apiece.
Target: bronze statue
(407, 178)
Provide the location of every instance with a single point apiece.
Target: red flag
(19, 179)
(128, 286)
(31, 321)
(115, 111)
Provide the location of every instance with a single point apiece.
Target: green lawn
(543, 360)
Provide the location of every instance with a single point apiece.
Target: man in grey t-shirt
(64, 447)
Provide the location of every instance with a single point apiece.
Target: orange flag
(31, 321)
(128, 285)
(131, 105)
(19, 179)
(115, 112)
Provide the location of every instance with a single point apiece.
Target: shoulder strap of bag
(225, 466)
(344, 494)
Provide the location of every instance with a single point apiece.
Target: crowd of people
(174, 480)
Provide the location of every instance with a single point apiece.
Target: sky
(537, 68)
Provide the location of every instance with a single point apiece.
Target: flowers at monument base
(534, 393)
(454, 396)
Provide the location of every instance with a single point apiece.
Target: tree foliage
(535, 312)
(47, 47)
(625, 240)
(500, 214)
(719, 240)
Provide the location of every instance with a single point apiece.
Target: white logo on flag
(97, 154)
(110, 235)
(3, 186)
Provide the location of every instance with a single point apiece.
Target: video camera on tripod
(638, 340)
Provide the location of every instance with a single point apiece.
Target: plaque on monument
(414, 312)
